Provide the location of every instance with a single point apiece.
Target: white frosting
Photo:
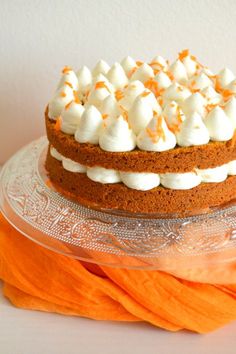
(110, 107)
(225, 77)
(71, 117)
(140, 181)
(230, 111)
(182, 181)
(62, 97)
(69, 76)
(231, 168)
(73, 166)
(201, 81)
(117, 77)
(173, 115)
(192, 131)
(54, 153)
(140, 114)
(103, 175)
(194, 103)
(134, 89)
(151, 100)
(179, 72)
(176, 92)
(100, 90)
(143, 73)
(219, 125)
(150, 139)
(89, 126)
(190, 66)
(117, 136)
(217, 174)
(210, 94)
(159, 62)
(163, 80)
(101, 68)
(128, 64)
(84, 79)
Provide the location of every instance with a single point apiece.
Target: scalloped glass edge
(108, 238)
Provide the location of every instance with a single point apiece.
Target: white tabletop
(33, 332)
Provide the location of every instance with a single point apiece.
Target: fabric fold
(39, 279)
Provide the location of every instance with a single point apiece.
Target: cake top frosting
(151, 106)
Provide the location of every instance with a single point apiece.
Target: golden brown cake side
(175, 160)
(158, 200)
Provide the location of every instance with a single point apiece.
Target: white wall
(38, 37)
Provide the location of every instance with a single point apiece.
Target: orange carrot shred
(101, 84)
(66, 69)
(119, 95)
(67, 106)
(63, 94)
(68, 84)
(183, 54)
(145, 93)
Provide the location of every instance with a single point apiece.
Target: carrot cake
(139, 137)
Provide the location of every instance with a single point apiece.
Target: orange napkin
(39, 279)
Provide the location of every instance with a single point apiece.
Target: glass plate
(46, 217)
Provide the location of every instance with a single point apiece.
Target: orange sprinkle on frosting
(145, 94)
(158, 133)
(152, 85)
(119, 95)
(66, 69)
(67, 106)
(63, 94)
(76, 97)
(183, 54)
(131, 72)
(139, 63)
(68, 84)
(104, 116)
(100, 85)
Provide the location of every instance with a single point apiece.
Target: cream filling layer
(145, 181)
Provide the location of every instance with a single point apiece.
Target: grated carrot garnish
(227, 94)
(119, 95)
(63, 94)
(57, 126)
(183, 54)
(76, 97)
(66, 69)
(152, 85)
(159, 131)
(145, 93)
(101, 84)
(131, 72)
(67, 106)
(170, 75)
(139, 63)
(68, 84)
(104, 116)
(210, 107)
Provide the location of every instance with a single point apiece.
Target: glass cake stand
(103, 237)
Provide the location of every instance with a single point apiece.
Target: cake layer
(158, 200)
(179, 159)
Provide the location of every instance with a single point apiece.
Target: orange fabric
(39, 279)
